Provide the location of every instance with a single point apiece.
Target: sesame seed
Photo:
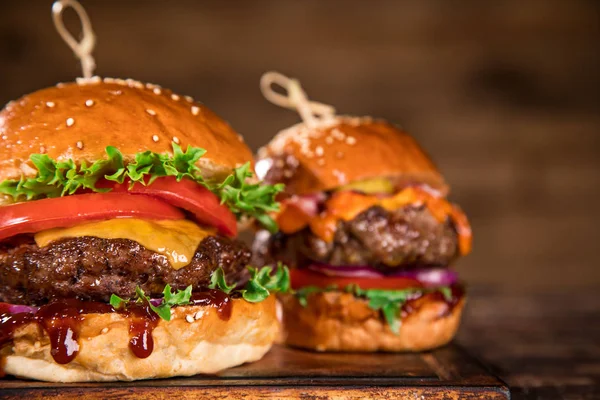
(176, 139)
(138, 85)
(319, 151)
(104, 330)
(79, 145)
(189, 99)
(150, 111)
(109, 80)
(19, 142)
(175, 97)
(337, 134)
(70, 121)
(351, 140)
(4, 137)
(120, 81)
(42, 149)
(339, 175)
(189, 318)
(89, 103)
(329, 140)
(195, 110)
(157, 90)
(50, 104)
(155, 138)
(150, 86)
(321, 162)
(199, 315)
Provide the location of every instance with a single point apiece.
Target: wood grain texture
(447, 373)
(545, 345)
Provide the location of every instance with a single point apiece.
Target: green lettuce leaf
(261, 284)
(163, 310)
(217, 281)
(60, 178)
(264, 282)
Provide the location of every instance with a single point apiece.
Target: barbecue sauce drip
(142, 322)
(216, 299)
(61, 320)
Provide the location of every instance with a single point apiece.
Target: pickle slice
(370, 186)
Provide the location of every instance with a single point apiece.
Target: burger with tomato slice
(119, 212)
(369, 235)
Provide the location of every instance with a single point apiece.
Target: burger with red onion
(369, 235)
(119, 212)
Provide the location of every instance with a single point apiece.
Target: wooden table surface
(543, 345)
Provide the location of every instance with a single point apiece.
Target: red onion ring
(17, 308)
(430, 276)
(349, 271)
(309, 204)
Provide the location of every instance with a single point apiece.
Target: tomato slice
(188, 195)
(303, 277)
(63, 212)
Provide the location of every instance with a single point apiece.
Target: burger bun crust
(79, 120)
(181, 348)
(336, 321)
(345, 150)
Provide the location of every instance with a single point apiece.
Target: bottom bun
(337, 321)
(204, 346)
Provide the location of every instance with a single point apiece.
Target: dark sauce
(214, 298)
(141, 324)
(61, 319)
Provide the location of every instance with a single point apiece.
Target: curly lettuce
(61, 178)
(261, 284)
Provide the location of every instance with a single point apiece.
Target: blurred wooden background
(505, 95)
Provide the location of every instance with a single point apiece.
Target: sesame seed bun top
(78, 120)
(342, 150)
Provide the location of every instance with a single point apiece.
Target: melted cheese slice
(347, 205)
(175, 239)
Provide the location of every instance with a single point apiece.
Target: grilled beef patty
(92, 268)
(387, 240)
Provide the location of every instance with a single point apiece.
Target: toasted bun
(342, 151)
(78, 120)
(204, 346)
(336, 321)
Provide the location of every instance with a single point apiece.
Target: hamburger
(119, 211)
(368, 234)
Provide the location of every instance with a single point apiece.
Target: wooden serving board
(286, 373)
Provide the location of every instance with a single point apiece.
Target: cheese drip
(177, 240)
(346, 205)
